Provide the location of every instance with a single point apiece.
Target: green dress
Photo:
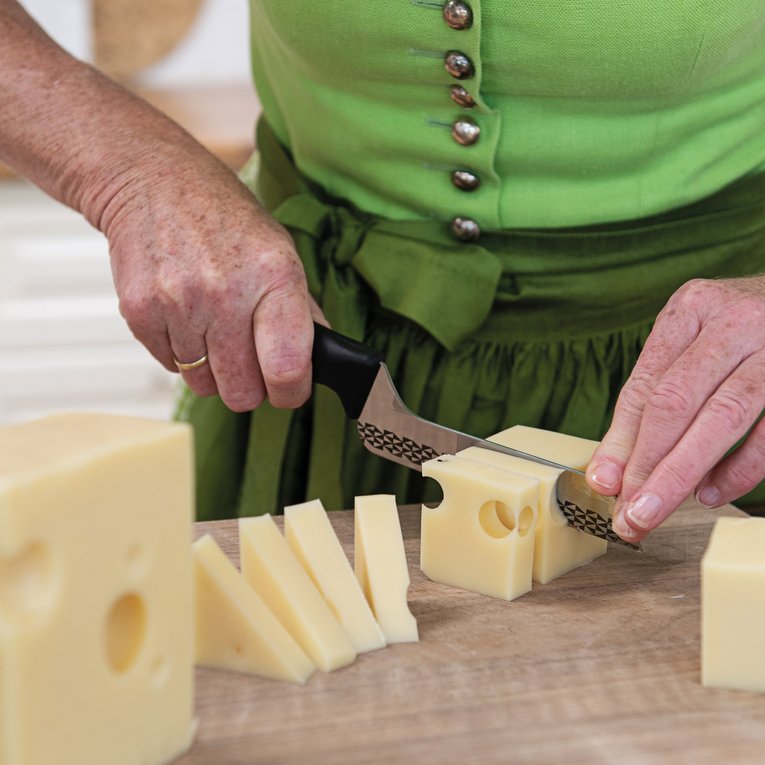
(509, 268)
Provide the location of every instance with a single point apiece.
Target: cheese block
(380, 566)
(733, 605)
(234, 628)
(481, 536)
(313, 540)
(96, 591)
(273, 571)
(558, 547)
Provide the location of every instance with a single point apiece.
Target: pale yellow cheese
(558, 547)
(96, 591)
(380, 566)
(481, 536)
(313, 540)
(234, 628)
(271, 568)
(733, 605)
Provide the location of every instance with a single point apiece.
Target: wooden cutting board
(599, 666)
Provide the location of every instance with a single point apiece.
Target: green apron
(538, 327)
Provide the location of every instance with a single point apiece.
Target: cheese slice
(273, 571)
(313, 540)
(380, 566)
(558, 547)
(733, 605)
(234, 628)
(96, 591)
(481, 536)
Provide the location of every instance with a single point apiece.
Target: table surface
(599, 666)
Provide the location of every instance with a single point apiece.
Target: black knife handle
(347, 367)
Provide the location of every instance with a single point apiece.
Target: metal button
(458, 65)
(465, 180)
(458, 15)
(465, 131)
(461, 97)
(465, 229)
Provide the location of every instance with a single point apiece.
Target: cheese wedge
(481, 536)
(96, 591)
(273, 571)
(313, 540)
(733, 605)
(558, 548)
(380, 566)
(234, 628)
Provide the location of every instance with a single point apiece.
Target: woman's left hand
(696, 390)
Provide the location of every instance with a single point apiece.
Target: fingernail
(644, 510)
(709, 496)
(607, 475)
(621, 528)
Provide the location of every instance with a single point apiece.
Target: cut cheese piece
(558, 547)
(235, 628)
(733, 605)
(381, 567)
(96, 591)
(481, 536)
(313, 540)
(271, 568)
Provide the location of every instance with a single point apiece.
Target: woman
(501, 199)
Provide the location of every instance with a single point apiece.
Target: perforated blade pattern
(388, 428)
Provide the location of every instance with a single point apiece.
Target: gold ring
(183, 367)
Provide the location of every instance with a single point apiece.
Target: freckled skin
(697, 388)
(198, 265)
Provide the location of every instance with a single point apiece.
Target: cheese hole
(160, 671)
(525, 521)
(125, 632)
(27, 581)
(135, 559)
(496, 519)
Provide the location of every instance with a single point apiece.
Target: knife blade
(388, 428)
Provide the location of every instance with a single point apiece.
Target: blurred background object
(63, 343)
(131, 35)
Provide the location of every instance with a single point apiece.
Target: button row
(465, 130)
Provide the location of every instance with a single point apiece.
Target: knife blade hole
(496, 519)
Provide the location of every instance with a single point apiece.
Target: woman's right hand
(200, 268)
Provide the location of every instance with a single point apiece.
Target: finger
(234, 362)
(283, 329)
(736, 474)
(317, 314)
(189, 346)
(675, 401)
(670, 337)
(724, 419)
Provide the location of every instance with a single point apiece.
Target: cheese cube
(273, 571)
(313, 540)
(380, 566)
(96, 601)
(235, 628)
(558, 547)
(733, 605)
(481, 536)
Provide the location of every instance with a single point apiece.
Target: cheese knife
(360, 378)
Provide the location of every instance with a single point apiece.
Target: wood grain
(599, 666)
